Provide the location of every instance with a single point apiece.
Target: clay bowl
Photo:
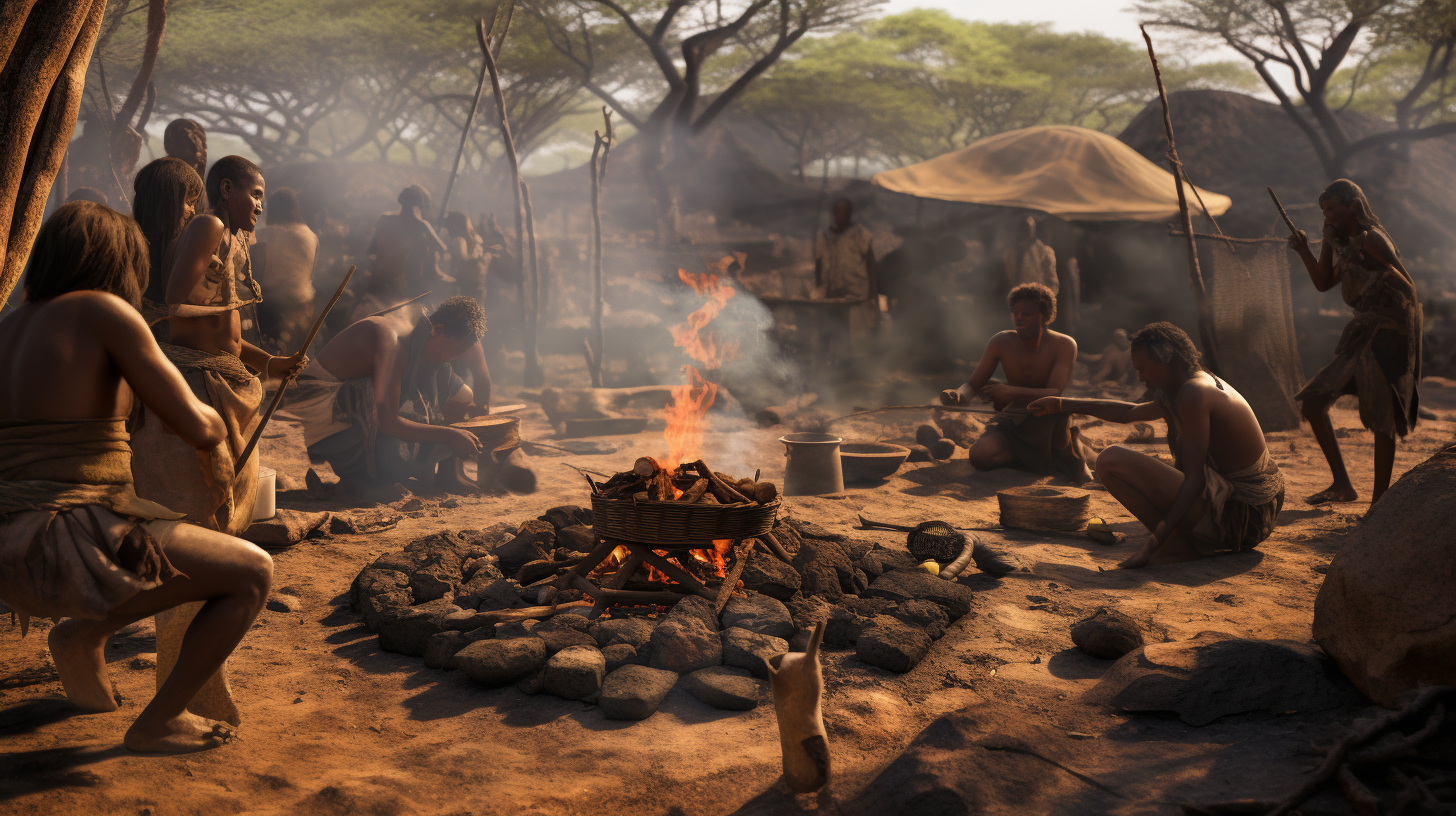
(871, 461)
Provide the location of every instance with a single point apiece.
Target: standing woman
(1379, 355)
(165, 197)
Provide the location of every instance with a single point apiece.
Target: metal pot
(813, 468)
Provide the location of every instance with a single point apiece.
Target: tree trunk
(46, 48)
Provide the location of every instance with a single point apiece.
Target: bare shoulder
(1061, 342)
(205, 227)
(1003, 340)
(1198, 392)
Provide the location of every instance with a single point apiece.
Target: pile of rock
(446, 597)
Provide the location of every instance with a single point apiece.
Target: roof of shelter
(1070, 172)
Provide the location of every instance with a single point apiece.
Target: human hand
(464, 443)
(950, 396)
(1045, 405)
(1327, 233)
(1299, 241)
(218, 474)
(996, 393)
(286, 367)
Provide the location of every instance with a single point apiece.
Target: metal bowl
(871, 461)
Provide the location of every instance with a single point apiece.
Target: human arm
(1193, 406)
(474, 360)
(194, 252)
(1105, 409)
(1057, 379)
(982, 373)
(1379, 247)
(433, 236)
(1322, 269)
(388, 369)
(273, 367)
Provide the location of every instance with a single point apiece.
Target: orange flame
(691, 401)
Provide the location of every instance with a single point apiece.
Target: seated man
(75, 540)
(1038, 363)
(376, 403)
(1223, 492)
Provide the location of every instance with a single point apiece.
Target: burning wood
(688, 483)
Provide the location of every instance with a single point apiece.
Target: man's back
(395, 238)
(1236, 439)
(54, 363)
(290, 250)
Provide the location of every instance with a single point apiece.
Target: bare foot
(183, 734)
(81, 663)
(1333, 493)
(1140, 559)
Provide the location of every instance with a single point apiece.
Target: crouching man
(1223, 491)
(1038, 363)
(75, 540)
(377, 402)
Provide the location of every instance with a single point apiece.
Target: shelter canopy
(1070, 172)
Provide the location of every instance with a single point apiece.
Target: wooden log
(675, 572)
(618, 580)
(776, 548)
(623, 597)
(742, 551)
(695, 492)
(726, 493)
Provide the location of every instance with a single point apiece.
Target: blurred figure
(467, 255)
(404, 249)
(1115, 362)
(1029, 259)
(186, 140)
(844, 269)
(165, 196)
(288, 249)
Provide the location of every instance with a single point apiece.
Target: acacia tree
(44, 50)
(670, 69)
(1313, 40)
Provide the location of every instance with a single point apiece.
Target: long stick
(401, 305)
(1293, 230)
(601, 148)
(954, 409)
(464, 137)
(1195, 275)
(318, 323)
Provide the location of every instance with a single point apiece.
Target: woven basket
(676, 524)
(1042, 507)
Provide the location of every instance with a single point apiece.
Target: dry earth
(334, 725)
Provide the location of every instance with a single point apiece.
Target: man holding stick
(1038, 363)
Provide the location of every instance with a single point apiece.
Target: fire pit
(654, 518)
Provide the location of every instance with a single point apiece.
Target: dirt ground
(331, 724)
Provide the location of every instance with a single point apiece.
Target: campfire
(665, 534)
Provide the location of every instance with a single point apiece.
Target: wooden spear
(1195, 275)
(601, 149)
(318, 323)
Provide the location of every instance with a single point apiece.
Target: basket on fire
(690, 505)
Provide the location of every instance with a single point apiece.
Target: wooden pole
(525, 222)
(318, 323)
(1195, 275)
(601, 148)
(464, 137)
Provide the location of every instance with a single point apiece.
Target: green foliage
(922, 83)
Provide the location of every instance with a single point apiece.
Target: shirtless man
(1038, 363)
(186, 140)
(73, 359)
(404, 247)
(393, 383)
(1223, 491)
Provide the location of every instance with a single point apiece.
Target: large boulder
(575, 673)
(758, 613)
(891, 644)
(1215, 675)
(1107, 634)
(772, 577)
(688, 639)
(750, 650)
(634, 692)
(1387, 611)
(904, 585)
(501, 662)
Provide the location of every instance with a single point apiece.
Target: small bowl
(871, 461)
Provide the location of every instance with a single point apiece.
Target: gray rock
(725, 688)
(892, 645)
(619, 655)
(808, 529)
(531, 544)
(377, 592)
(559, 639)
(880, 561)
(866, 607)
(1386, 612)
(440, 649)
(820, 580)
(905, 585)
(576, 673)
(918, 453)
(506, 630)
(923, 615)
(635, 632)
(534, 684)
(750, 650)
(564, 622)
(430, 586)
(567, 516)
(634, 692)
(578, 538)
(861, 580)
(502, 593)
(481, 565)
(283, 602)
(501, 662)
(927, 435)
(758, 613)
(698, 608)
(1107, 634)
(683, 643)
(815, 557)
(942, 449)
(844, 628)
(807, 612)
(772, 577)
(405, 630)
(1215, 675)
(534, 571)
(857, 548)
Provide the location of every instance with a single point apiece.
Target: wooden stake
(318, 323)
(1195, 275)
(1293, 230)
(601, 148)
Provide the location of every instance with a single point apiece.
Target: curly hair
(461, 318)
(233, 168)
(1040, 293)
(1169, 345)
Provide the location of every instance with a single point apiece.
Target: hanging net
(1253, 327)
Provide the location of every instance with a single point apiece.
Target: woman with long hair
(1379, 355)
(165, 197)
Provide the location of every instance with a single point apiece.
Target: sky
(1105, 16)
